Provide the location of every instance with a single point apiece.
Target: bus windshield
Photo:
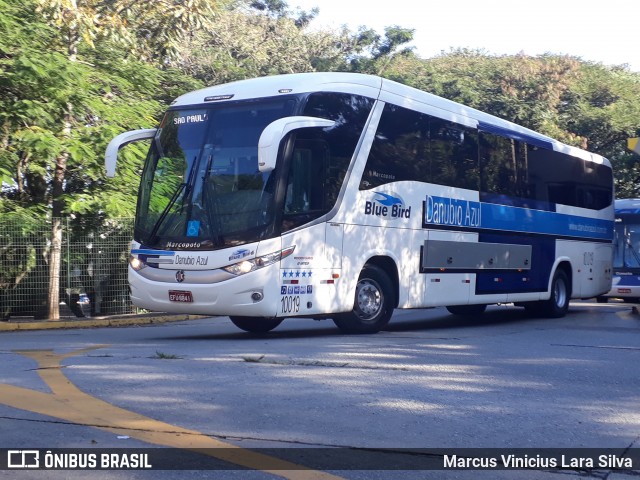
(627, 245)
(201, 187)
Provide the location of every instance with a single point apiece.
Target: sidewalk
(93, 322)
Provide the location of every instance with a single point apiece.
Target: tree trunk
(55, 257)
(57, 191)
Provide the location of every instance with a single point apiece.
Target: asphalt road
(431, 381)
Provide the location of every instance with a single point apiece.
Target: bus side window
(298, 194)
(454, 154)
(400, 150)
(505, 166)
(414, 146)
(308, 194)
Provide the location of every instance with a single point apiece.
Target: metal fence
(93, 270)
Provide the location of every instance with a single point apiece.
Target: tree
(143, 25)
(55, 117)
(603, 109)
(64, 92)
(245, 42)
(380, 51)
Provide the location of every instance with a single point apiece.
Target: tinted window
(454, 154)
(505, 166)
(562, 178)
(414, 146)
(320, 157)
(511, 168)
(400, 150)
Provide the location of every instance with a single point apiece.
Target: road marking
(68, 402)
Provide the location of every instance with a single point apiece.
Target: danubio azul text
(452, 212)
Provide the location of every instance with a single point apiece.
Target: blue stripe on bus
(160, 253)
(509, 133)
(514, 219)
(452, 213)
(627, 211)
(627, 280)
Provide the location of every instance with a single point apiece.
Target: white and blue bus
(345, 196)
(626, 252)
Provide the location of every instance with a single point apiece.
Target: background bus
(344, 196)
(626, 252)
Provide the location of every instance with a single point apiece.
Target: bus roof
(378, 88)
(629, 206)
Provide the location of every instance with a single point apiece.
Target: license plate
(183, 296)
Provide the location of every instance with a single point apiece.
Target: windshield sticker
(184, 119)
(296, 290)
(193, 228)
(387, 206)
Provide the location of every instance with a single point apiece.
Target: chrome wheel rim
(369, 299)
(560, 293)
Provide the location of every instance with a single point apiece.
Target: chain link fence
(93, 270)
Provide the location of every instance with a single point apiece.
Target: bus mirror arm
(271, 136)
(111, 154)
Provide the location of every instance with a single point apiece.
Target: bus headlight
(136, 263)
(247, 266)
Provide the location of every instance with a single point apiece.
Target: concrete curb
(132, 320)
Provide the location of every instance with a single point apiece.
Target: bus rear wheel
(256, 324)
(373, 304)
(558, 304)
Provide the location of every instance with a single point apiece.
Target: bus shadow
(413, 321)
(448, 321)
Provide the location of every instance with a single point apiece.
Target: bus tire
(256, 324)
(373, 304)
(558, 304)
(466, 310)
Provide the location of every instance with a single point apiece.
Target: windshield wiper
(153, 234)
(187, 186)
(633, 251)
(212, 207)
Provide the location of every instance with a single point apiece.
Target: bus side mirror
(111, 154)
(271, 136)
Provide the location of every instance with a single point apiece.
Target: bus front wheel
(256, 324)
(373, 303)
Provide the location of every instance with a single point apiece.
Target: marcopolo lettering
(387, 207)
(451, 212)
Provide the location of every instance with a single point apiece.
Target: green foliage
(108, 91)
(133, 58)
(243, 44)
(150, 29)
